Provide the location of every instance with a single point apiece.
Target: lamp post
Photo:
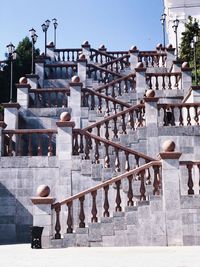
(193, 46)
(34, 39)
(55, 24)
(11, 57)
(45, 27)
(175, 26)
(163, 20)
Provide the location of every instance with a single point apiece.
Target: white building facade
(180, 9)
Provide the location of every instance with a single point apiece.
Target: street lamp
(163, 20)
(34, 39)
(175, 26)
(55, 24)
(45, 27)
(193, 46)
(11, 57)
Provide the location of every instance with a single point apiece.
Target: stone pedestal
(151, 118)
(86, 50)
(133, 58)
(75, 102)
(50, 51)
(170, 56)
(140, 79)
(82, 64)
(32, 79)
(23, 95)
(2, 126)
(39, 70)
(171, 197)
(42, 217)
(11, 111)
(186, 78)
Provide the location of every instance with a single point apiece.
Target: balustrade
(49, 97)
(100, 57)
(29, 142)
(117, 54)
(164, 81)
(60, 71)
(113, 187)
(71, 54)
(183, 114)
(152, 58)
(118, 64)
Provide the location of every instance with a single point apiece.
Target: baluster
(69, 218)
(188, 116)
(82, 214)
(107, 108)
(106, 130)
(115, 130)
(196, 117)
(118, 196)
(148, 176)
(130, 191)
(163, 82)
(96, 152)
(127, 166)
(169, 84)
(106, 202)
(19, 150)
(176, 81)
(72, 55)
(106, 90)
(190, 180)
(157, 84)
(50, 147)
(92, 101)
(30, 149)
(90, 139)
(120, 88)
(113, 91)
(94, 207)
(81, 147)
(156, 182)
(125, 86)
(56, 99)
(123, 124)
(63, 56)
(131, 120)
(180, 116)
(57, 226)
(142, 186)
(107, 158)
(100, 104)
(165, 119)
(150, 82)
(98, 131)
(68, 55)
(87, 147)
(75, 143)
(117, 162)
(10, 147)
(39, 148)
(173, 117)
(59, 56)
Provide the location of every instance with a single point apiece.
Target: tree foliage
(21, 66)
(192, 28)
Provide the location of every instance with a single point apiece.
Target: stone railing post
(42, 214)
(170, 56)
(133, 57)
(151, 118)
(50, 51)
(64, 142)
(186, 77)
(11, 112)
(75, 100)
(82, 65)
(23, 93)
(32, 79)
(2, 126)
(141, 85)
(86, 50)
(171, 193)
(39, 69)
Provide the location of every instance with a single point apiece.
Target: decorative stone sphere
(23, 80)
(65, 116)
(159, 46)
(185, 65)
(168, 146)
(51, 43)
(81, 56)
(75, 79)
(133, 48)
(169, 46)
(102, 46)
(150, 93)
(140, 65)
(43, 190)
(85, 43)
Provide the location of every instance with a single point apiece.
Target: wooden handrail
(106, 70)
(168, 74)
(50, 90)
(58, 65)
(102, 53)
(67, 49)
(116, 60)
(30, 131)
(174, 105)
(109, 182)
(110, 143)
(187, 162)
(109, 98)
(114, 116)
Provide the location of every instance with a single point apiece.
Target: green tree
(21, 66)
(186, 52)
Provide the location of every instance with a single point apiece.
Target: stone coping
(42, 200)
(11, 105)
(32, 76)
(75, 84)
(151, 99)
(140, 69)
(23, 85)
(169, 155)
(82, 60)
(65, 124)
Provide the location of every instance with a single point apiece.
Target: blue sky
(118, 24)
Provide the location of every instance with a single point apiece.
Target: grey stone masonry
(133, 57)
(171, 197)
(186, 78)
(42, 214)
(141, 85)
(32, 79)
(23, 95)
(86, 50)
(39, 70)
(11, 111)
(170, 56)
(81, 64)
